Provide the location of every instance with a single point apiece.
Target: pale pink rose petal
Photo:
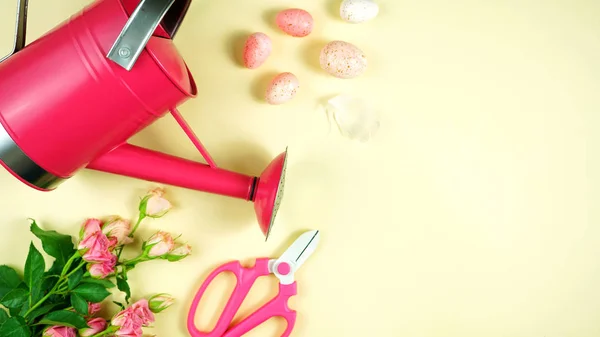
(90, 226)
(60, 331)
(118, 231)
(180, 252)
(96, 325)
(129, 323)
(157, 206)
(160, 244)
(160, 302)
(95, 248)
(104, 269)
(94, 308)
(130, 329)
(142, 310)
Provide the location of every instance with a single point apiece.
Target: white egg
(358, 11)
(342, 59)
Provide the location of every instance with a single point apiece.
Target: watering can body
(72, 98)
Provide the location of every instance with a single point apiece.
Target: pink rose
(89, 226)
(96, 325)
(131, 320)
(104, 269)
(112, 242)
(94, 308)
(95, 248)
(160, 244)
(130, 328)
(60, 331)
(156, 204)
(160, 302)
(117, 231)
(142, 310)
(129, 323)
(179, 253)
(121, 317)
(94, 244)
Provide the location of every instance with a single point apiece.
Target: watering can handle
(137, 31)
(20, 30)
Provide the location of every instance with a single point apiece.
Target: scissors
(283, 268)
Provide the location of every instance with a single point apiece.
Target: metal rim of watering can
(20, 28)
(17, 161)
(11, 155)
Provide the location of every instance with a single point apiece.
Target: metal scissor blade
(302, 248)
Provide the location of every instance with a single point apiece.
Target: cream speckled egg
(295, 22)
(257, 50)
(342, 59)
(282, 88)
(358, 11)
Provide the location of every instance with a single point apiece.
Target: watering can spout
(265, 191)
(137, 162)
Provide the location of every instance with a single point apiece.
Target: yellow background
(474, 211)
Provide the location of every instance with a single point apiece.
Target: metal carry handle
(141, 25)
(20, 29)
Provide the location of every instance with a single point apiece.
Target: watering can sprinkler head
(269, 192)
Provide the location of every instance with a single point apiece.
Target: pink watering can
(72, 99)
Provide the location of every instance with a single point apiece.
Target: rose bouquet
(65, 299)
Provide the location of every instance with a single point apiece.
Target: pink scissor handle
(277, 307)
(246, 277)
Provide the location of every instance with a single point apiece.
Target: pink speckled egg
(282, 88)
(342, 59)
(295, 22)
(257, 50)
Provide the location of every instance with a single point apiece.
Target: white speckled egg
(282, 88)
(358, 11)
(342, 59)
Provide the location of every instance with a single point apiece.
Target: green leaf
(103, 282)
(124, 287)
(57, 245)
(15, 298)
(119, 304)
(23, 310)
(34, 271)
(48, 282)
(65, 318)
(79, 304)
(3, 316)
(75, 278)
(9, 280)
(42, 310)
(15, 327)
(37, 330)
(91, 292)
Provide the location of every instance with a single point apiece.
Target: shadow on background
(312, 195)
(245, 158)
(260, 84)
(270, 18)
(235, 46)
(312, 55)
(333, 8)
